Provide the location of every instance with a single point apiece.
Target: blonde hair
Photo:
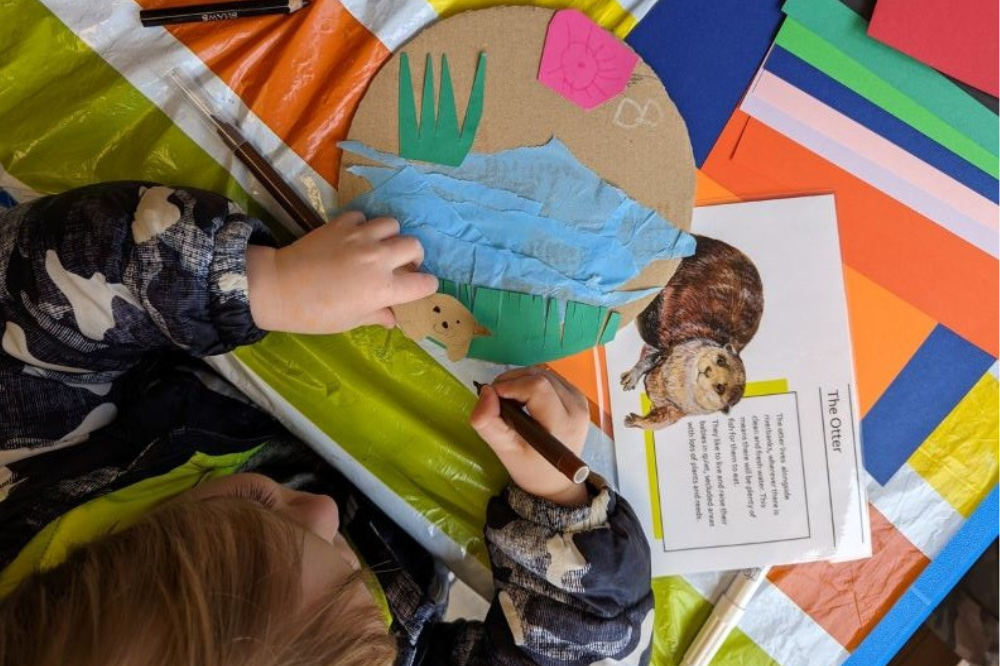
(200, 583)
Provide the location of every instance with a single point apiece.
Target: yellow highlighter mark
(766, 387)
(654, 482)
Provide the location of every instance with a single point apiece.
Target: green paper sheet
(842, 28)
(528, 329)
(839, 25)
(819, 53)
(436, 136)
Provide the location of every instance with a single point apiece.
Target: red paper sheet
(957, 38)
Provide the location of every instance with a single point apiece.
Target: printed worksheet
(734, 401)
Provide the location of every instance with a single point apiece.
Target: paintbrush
(305, 216)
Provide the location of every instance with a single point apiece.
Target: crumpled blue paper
(532, 220)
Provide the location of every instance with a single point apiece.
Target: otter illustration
(694, 331)
(442, 318)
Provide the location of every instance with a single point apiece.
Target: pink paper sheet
(874, 159)
(582, 61)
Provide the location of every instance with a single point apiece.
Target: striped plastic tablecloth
(83, 98)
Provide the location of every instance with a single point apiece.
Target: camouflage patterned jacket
(104, 287)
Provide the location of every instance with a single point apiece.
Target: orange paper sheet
(941, 275)
(885, 332)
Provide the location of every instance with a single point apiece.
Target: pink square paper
(582, 61)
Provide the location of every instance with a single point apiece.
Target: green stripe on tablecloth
(687, 610)
(839, 25)
(68, 118)
(819, 53)
(397, 412)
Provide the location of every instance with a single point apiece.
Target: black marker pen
(219, 11)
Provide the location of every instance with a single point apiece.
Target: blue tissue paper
(532, 220)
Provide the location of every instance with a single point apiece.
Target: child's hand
(558, 406)
(345, 274)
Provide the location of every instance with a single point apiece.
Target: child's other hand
(346, 274)
(558, 406)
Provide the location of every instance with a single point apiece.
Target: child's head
(226, 575)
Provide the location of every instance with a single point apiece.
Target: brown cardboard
(442, 318)
(636, 141)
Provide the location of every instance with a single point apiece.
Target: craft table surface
(82, 99)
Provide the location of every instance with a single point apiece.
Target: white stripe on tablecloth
(776, 624)
(18, 191)
(709, 584)
(641, 8)
(787, 633)
(144, 56)
(393, 22)
(916, 509)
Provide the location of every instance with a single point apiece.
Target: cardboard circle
(636, 141)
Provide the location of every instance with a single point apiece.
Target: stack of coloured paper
(920, 268)
(883, 117)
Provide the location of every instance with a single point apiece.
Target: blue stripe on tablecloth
(930, 587)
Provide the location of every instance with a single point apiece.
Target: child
(103, 433)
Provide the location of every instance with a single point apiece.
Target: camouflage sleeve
(572, 586)
(96, 278)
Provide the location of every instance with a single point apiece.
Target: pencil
(555, 452)
(218, 11)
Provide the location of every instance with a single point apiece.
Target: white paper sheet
(779, 478)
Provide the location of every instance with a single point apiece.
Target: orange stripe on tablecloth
(850, 598)
(885, 333)
(912, 257)
(303, 75)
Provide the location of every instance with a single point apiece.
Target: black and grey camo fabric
(97, 279)
(102, 288)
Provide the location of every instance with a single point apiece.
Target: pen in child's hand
(558, 454)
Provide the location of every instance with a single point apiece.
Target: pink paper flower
(582, 61)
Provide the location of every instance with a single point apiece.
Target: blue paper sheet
(706, 54)
(807, 78)
(532, 220)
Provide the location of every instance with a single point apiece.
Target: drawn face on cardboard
(443, 319)
(448, 322)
